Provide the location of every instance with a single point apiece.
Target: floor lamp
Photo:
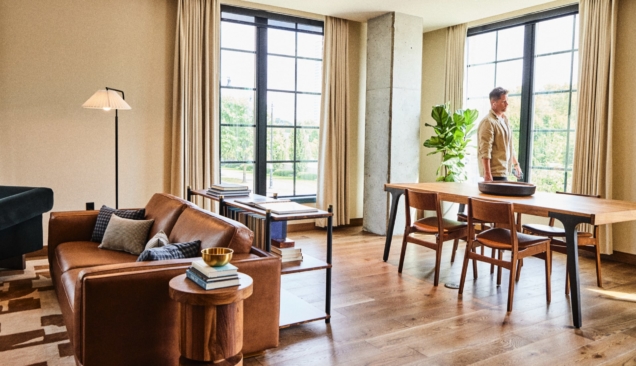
(109, 99)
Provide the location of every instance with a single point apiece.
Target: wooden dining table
(568, 209)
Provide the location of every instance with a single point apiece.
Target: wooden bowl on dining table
(505, 188)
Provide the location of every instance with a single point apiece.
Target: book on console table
(217, 193)
(283, 243)
(288, 254)
(228, 187)
(294, 258)
(256, 200)
(282, 208)
(219, 282)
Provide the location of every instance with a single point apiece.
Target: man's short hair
(497, 92)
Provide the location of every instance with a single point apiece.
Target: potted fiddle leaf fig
(451, 138)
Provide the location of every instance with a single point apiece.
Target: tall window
(536, 59)
(271, 78)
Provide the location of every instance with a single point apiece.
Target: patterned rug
(32, 330)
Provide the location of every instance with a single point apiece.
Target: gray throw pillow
(126, 235)
(104, 216)
(160, 239)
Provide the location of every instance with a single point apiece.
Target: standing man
(494, 138)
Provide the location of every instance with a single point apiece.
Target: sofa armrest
(124, 315)
(261, 310)
(260, 252)
(70, 226)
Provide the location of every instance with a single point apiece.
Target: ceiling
(435, 13)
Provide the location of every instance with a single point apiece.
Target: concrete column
(392, 145)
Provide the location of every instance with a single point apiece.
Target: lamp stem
(116, 159)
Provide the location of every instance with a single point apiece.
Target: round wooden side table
(211, 320)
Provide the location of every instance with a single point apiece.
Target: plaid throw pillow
(104, 217)
(172, 251)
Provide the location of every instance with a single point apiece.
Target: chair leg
(492, 255)
(567, 278)
(406, 235)
(455, 245)
(438, 260)
(474, 265)
(520, 264)
(500, 252)
(511, 285)
(599, 280)
(548, 272)
(465, 266)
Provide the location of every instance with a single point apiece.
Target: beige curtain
(195, 98)
(454, 77)
(592, 171)
(333, 169)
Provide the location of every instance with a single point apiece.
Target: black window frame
(301, 25)
(529, 22)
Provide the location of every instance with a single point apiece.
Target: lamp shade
(106, 99)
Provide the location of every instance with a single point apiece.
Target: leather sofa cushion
(165, 210)
(213, 231)
(81, 254)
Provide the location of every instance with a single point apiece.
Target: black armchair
(21, 210)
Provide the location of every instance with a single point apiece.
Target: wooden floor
(380, 317)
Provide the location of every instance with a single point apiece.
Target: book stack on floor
(211, 278)
(228, 190)
(286, 250)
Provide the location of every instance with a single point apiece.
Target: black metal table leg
(396, 193)
(329, 254)
(268, 231)
(569, 224)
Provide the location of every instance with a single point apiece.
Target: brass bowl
(217, 257)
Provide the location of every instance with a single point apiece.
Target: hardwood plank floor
(380, 317)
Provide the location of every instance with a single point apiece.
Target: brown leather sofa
(118, 311)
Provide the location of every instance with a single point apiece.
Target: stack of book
(228, 190)
(211, 278)
(286, 250)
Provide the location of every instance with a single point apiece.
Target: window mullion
(527, 89)
(295, 109)
(260, 171)
(567, 135)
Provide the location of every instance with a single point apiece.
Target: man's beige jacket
(494, 142)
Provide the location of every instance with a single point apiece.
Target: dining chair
(502, 237)
(443, 229)
(586, 241)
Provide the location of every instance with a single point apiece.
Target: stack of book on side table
(228, 190)
(286, 250)
(211, 278)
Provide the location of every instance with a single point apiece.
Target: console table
(294, 310)
(570, 210)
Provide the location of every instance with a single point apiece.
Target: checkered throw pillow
(172, 251)
(103, 218)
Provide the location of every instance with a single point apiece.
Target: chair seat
(551, 231)
(498, 236)
(429, 225)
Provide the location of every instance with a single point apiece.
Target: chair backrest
(426, 201)
(551, 223)
(499, 213)
(582, 195)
